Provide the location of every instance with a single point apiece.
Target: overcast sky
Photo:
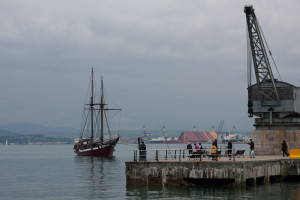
(177, 63)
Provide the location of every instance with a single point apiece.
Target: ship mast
(92, 109)
(101, 109)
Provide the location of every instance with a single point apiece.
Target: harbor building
(197, 136)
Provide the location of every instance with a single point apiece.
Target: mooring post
(200, 155)
(180, 155)
(166, 154)
(233, 153)
(156, 155)
(134, 155)
(175, 155)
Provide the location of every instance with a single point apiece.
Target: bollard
(175, 155)
(166, 154)
(134, 155)
(233, 155)
(180, 155)
(201, 154)
(156, 156)
(183, 154)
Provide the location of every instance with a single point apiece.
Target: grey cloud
(174, 62)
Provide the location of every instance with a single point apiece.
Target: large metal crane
(275, 103)
(263, 72)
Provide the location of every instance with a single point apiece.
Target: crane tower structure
(274, 103)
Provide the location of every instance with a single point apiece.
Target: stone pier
(268, 142)
(240, 172)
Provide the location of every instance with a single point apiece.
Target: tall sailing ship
(91, 145)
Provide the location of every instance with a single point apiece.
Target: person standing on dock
(201, 148)
(229, 147)
(190, 148)
(143, 151)
(216, 143)
(251, 152)
(284, 148)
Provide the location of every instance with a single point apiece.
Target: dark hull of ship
(105, 150)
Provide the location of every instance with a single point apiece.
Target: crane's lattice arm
(264, 77)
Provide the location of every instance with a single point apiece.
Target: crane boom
(263, 72)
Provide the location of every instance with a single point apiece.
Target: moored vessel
(93, 124)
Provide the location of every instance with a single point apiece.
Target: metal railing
(184, 154)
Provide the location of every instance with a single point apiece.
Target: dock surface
(241, 171)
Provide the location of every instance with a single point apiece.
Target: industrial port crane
(264, 76)
(276, 104)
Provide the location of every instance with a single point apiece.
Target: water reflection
(267, 191)
(183, 192)
(53, 172)
(97, 175)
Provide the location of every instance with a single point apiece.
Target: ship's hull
(106, 150)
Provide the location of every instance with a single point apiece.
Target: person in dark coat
(143, 151)
(201, 148)
(229, 147)
(251, 152)
(190, 148)
(284, 148)
(216, 143)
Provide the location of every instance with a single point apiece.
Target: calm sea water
(55, 172)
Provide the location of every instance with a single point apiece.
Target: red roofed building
(197, 136)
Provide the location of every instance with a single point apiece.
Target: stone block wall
(268, 142)
(184, 173)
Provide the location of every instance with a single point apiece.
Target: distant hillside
(28, 129)
(13, 129)
(34, 139)
(7, 133)
(65, 132)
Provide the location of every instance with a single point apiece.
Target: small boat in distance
(91, 145)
